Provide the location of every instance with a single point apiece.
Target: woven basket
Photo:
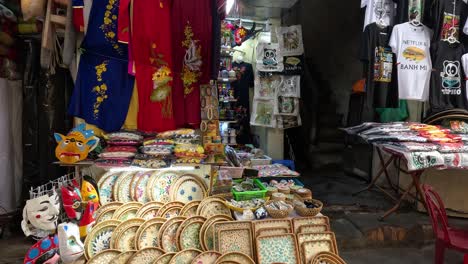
(304, 211)
(274, 213)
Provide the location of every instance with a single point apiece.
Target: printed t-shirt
(412, 48)
(378, 9)
(407, 10)
(447, 86)
(378, 57)
(446, 17)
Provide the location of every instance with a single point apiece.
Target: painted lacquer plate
(134, 182)
(99, 238)
(165, 259)
(122, 258)
(147, 233)
(236, 257)
(121, 228)
(207, 257)
(123, 192)
(206, 232)
(149, 210)
(160, 187)
(140, 192)
(168, 237)
(106, 187)
(185, 256)
(111, 205)
(122, 209)
(190, 209)
(104, 257)
(188, 188)
(217, 226)
(189, 236)
(146, 256)
(267, 249)
(106, 215)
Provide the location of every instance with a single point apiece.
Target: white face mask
(71, 247)
(42, 213)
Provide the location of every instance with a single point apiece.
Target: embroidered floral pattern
(100, 89)
(162, 78)
(109, 26)
(192, 61)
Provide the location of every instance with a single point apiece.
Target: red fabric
(152, 53)
(78, 19)
(191, 23)
(123, 22)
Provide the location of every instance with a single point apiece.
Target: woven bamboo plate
(168, 223)
(267, 249)
(206, 232)
(123, 191)
(160, 186)
(190, 209)
(146, 256)
(122, 258)
(208, 200)
(188, 188)
(111, 205)
(133, 184)
(171, 207)
(99, 238)
(106, 186)
(310, 249)
(185, 256)
(207, 257)
(165, 259)
(117, 185)
(105, 256)
(228, 225)
(127, 214)
(140, 193)
(189, 236)
(273, 223)
(236, 257)
(122, 227)
(306, 237)
(214, 207)
(147, 233)
(327, 258)
(314, 220)
(168, 237)
(126, 238)
(149, 209)
(313, 228)
(105, 215)
(240, 240)
(125, 207)
(272, 231)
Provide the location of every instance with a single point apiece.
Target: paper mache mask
(76, 145)
(71, 199)
(70, 245)
(45, 251)
(40, 215)
(90, 195)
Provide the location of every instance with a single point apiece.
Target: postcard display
(277, 80)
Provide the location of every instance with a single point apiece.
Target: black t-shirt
(379, 60)
(447, 78)
(245, 80)
(408, 10)
(444, 18)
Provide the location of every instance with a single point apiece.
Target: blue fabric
(103, 86)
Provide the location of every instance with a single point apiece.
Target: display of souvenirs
(290, 40)
(269, 57)
(274, 170)
(70, 245)
(263, 113)
(76, 145)
(40, 215)
(45, 250)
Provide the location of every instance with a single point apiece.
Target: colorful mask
(89, 190)
(76, 145)
(40, 215)
(88, 219)
(45, 251)
(71, 199)
(89, 193)
(71, 247)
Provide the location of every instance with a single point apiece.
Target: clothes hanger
(451, 38)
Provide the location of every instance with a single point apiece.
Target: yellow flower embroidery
(109, 27)
(192, 61)
(100, 89)
(162, 77)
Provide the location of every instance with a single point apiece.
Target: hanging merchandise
(285, 122)
(266, 85)
(244, 80)
(446, 18)
(269, 57)
(40, 215)
(70, 245)
(76, 145)
(152, 52)
(448, 90)
(290, 40)
(378, 10)
(293, 65)
(411, 45)
(45, 250)
(291, 86)
(103, 88)
(263, 113)
(286, 105)
(381, 90)
(191, 32)
(407, 10)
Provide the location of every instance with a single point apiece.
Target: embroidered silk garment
(192, 39)
(103, 88)
(152, 53)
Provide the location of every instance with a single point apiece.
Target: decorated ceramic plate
(185, 256)
(161, 185)
(125, 207)
(111, 205)
(236, 257)
(136, 177)
(99, 238)
(105, 215)
(105, 256)
(217, 226)
(164, 259)
(272, 223)
(207, 257)
(267, 249)
(126, 237)
(149, 210)
(314, 220)
(168, 237)
(123, 257)
(122, 227)
(232, 240)
(123, 192)
(106, 188)
(147, 233)
(140, 193)
(188, 188)
(206, 232)
(310, 249)
(146, 256)
(190, 209)
(189, 237)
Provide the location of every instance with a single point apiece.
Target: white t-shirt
(377, 9)
(412, 47)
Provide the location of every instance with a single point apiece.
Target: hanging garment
(407, 10)
(378, 57)
(152, 53)
(446, 18)
(411, 45)
(124, 21)
(103, 88)
(192, 39)
(378, 10)
(447, 85)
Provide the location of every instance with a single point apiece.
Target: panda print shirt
(447, 79)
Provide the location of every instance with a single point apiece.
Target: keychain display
(290, 40)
